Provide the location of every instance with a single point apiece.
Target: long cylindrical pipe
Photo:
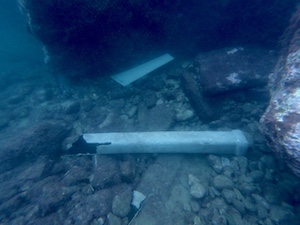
(210, 142)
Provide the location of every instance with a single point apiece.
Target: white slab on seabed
(131, 75)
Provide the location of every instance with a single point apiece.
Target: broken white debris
(138, 198)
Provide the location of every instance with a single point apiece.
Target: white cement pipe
(210, 142)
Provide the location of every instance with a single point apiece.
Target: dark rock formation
(45, 139)
(95, 37)
(232, 69)
(49, 194)
(281, 121)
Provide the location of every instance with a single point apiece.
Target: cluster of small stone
(243, 191)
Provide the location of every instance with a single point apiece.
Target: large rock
(281, 121)
(98, 36)
(232, 69)
(45, 138)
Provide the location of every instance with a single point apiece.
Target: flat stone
(233, 216)
(106, 173)
(76, 175)
(195, 206)
(261, 201)
(271, 193)
(249, 205)
(71, 107)
(218, 219)
(132, 111)
(248, 188)
(239, 206)
(281, 215)
(184, 115)
(268, 221)
(242, 162)
(121, 201)
(213, 192)
(221, 182)
(219, 204)
(113, 219)
(197, 190)
(261, 211)
(257, 175)
(127, 169)
(228, 195)
(150, 98)
(159, 118)
(215, 162)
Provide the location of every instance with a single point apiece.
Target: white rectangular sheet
(128, 76)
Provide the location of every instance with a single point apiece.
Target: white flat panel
(128, 76)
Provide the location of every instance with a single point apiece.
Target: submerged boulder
(100, 36)
(281, 121)
(232, 69)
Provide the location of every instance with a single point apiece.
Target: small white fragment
(232, 51)
(233, 77)
(138, 198)
(46, 55)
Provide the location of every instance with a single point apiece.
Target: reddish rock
(106, 172)
(232, 69)
(281, 121)
(45, 138)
